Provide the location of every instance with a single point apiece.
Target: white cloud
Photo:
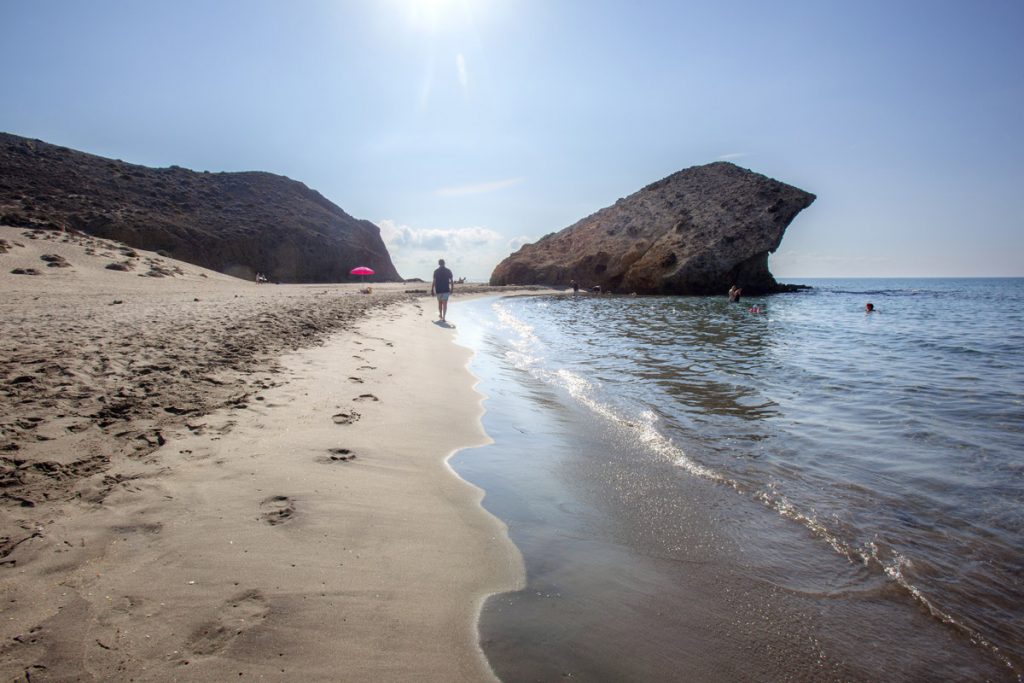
(732, 156)
(516, 242)
(471, 252)
(478, 188)
(403, 236)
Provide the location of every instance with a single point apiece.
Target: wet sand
(204, 478)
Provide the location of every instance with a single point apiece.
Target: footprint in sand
(337, 455)
(238, 615)
(367, 367)
(125, 530)
(200, 428)
(356, 380)
(366, 397)
(345, 418)
(277, 510)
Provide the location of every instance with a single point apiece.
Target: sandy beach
(203, 478)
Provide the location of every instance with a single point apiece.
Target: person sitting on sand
(443, 284)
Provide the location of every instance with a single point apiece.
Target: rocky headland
(698, 231)
(234, 223)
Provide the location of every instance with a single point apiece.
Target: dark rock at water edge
(698, 231)
(235, 223)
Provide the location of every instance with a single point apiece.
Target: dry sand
(203, 478)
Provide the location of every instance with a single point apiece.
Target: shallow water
(811, 492)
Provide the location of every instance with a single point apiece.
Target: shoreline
(180, 494)
(639, 570)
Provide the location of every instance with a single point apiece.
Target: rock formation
(236, 223)
(698, 231)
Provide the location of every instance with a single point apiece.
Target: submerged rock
(698, 231)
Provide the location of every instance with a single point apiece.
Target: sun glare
(430, 14)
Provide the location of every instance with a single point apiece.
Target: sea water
(807, 492)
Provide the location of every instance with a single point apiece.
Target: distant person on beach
(575, 287)
(442, 285)
(734, 293)
(869, 308)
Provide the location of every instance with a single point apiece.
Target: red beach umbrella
(361, 271)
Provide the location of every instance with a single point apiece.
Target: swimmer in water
(869, 308)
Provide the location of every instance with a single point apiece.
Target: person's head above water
(869, 307)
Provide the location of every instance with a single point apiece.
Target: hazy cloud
(472, 252)
(732, 156)
(396, 235)
(796, 263)
(516, 242)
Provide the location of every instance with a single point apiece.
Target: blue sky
(467, 127)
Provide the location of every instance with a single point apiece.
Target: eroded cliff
(698, 231)
(236, 223)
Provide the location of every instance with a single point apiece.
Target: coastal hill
(234, 223)
(698, 231)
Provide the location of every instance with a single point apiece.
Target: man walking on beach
(443, 283)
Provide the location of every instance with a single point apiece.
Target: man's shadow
(444, 323)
